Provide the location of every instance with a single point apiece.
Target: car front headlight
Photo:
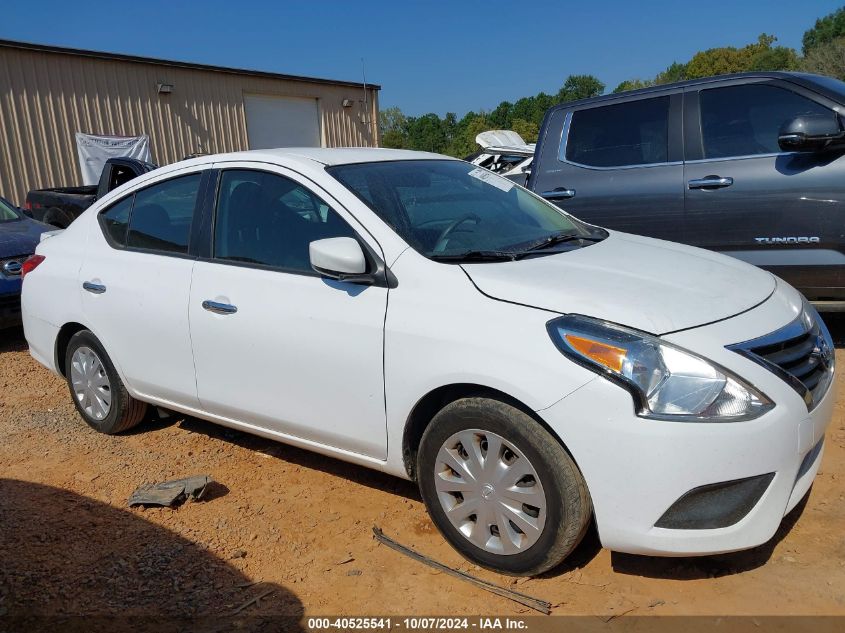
(667, 382)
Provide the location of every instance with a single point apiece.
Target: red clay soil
(301, 524)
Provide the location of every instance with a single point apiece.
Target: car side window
(745, 120)
(162, 215)
(115, 221)
(269, 220)
(621, 135)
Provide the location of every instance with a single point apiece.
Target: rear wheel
(500, 488)
(97, 391)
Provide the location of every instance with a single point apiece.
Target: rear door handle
(710, 182)
(96, 289)
(219, 308)
(561, 193)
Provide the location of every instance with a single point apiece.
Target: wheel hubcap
(490, 492)
(91, 385)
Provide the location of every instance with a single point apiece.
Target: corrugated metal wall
(46, 97)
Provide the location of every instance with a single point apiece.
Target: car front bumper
(637, 468)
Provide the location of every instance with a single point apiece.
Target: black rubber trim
(715, 506)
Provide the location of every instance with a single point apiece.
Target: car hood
(647, 284)
(20, 237)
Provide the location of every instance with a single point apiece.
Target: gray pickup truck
(60, 206)
(751, 165)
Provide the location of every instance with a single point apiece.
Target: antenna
(367, 118)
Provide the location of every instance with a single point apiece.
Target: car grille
(10, 267)
(801, 353)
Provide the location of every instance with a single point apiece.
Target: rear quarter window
(162, 215)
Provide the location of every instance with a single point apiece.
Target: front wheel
(500, 488)
(97, 391)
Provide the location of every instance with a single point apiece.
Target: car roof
(321, 155)
(804, 79)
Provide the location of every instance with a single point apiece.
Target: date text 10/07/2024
(417, 623)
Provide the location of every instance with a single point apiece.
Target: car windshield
(7, 213)
(449, 209)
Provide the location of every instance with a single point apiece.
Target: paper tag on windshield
(491, 179)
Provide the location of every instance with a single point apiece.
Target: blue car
(18, 237)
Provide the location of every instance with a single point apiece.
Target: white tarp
(95, 150)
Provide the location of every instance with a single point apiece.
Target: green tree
(775, 58)
(502, 115)
(633, 84)
(827, 58)
(826, 29)
(427, 133)
(528, 130)
(674, 72)
(464, 143)
(579, 87)
(393, 128)
(760, 55)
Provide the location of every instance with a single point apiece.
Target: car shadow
(835, 322)
(306, 459)
(12, 340)
(699, 567)
(69, 563)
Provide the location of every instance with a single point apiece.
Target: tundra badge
(787, 240)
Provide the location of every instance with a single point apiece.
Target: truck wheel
(500, 488)
(56, 217)
(97, 391)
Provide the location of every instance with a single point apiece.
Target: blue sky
(428, 56)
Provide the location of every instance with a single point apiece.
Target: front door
(276, 345)
(745, 197)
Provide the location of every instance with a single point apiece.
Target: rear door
(135, 282)
(617, 165)
(276, 345)
(784, 211)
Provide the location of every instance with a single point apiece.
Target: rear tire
(97, 392)
(521, 510)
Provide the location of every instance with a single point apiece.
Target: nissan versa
(427, 318)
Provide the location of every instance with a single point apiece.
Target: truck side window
(633, 133)
(745, 120)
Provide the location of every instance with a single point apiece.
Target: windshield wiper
(555, 238)
(476, 256)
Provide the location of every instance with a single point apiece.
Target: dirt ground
(300, 525)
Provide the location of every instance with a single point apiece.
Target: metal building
(47, 94)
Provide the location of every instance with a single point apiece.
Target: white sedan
(421, 316)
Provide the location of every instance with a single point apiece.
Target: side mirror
(340, 258)
(811, 133)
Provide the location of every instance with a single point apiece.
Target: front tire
(98, 393)
(500, 488)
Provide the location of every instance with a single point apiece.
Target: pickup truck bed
(59, 206)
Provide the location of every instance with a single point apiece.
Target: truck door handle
(561, 193)
(710, 182)
(219, 308)
(91, 287)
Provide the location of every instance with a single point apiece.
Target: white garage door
(281, 122)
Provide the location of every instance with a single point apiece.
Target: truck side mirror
(811, 133)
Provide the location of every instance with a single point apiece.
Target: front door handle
(219, 308)
(710, 182)
(561, 193)
(91, 287)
